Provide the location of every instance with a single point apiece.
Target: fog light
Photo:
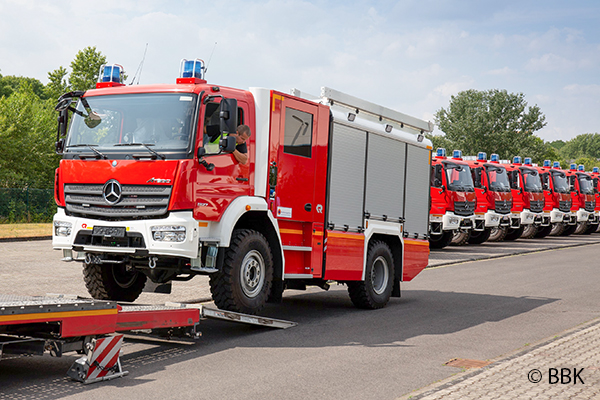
(495, 218)
(454, 221)
(62, 228)
(168, 233)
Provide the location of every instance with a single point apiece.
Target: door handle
(308, 207)
(242, 179)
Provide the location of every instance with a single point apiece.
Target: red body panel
(345, 256)
(416, 258)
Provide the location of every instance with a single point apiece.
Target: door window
(298, 132)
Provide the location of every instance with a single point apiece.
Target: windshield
(498, 179)
(161, 120)
(532, 181)
(586, 186)
(459, 177)
(561, 184)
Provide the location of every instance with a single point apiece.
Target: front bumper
(583, 216)
(557, 216)
(450, 222)
(528, 217)
(138, 240)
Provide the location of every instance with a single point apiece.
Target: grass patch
(25, 230)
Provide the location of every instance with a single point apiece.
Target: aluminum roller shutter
(416, 207)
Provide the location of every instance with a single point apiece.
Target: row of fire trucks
(474, 199)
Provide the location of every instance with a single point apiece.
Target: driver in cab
(242, 133)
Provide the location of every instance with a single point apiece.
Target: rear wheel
(497, 234)
(569, 230)
(529, 231)
(244, 283)
(478, 237)
(514, 233)
(439, 241)
(113, 282)
(543, 231)
(375, 291)
(460, 238)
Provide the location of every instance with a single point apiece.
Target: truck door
(299, 194)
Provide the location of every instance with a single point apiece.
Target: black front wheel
(478, 237)
(113, 282)
(375, 291)
(514, 233)
(244, 283)
(439, 241)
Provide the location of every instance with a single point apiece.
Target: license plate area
(109, 231)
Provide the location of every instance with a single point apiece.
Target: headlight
(495, 218)
(435, 218)
(62, 228)
(529, 216)
(453, 221)
(168, 233)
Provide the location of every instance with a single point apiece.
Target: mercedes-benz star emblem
(112, 192)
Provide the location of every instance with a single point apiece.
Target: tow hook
(152, 262)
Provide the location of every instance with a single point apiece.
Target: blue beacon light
(556, 164)
(517, 160)
(494, 158)
(481, 156)
(547, 163)
(457, 154)
(441, 152)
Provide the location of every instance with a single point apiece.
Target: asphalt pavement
(483, 311)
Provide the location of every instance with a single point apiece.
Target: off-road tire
(581, 227)
(244, 283)
(591, 228)
(529, 231)
(375, 291)
(460, 238)
(543, 231)
(569, 230)
(440, 241)
(113, 282)
(514, 233)
(497, 234)
(557, 228)
(478, 237)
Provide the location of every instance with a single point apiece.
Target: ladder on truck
(58, 324)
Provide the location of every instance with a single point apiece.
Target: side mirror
(201, 152)
(228, 115)
(227, 144)
(442, 189)
(60, 145)
(437, 183)
(63, 104)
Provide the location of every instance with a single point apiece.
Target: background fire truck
(336, 189)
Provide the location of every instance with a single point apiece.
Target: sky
(409, 55)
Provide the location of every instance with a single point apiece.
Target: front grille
(131, 239)
(464, 208)
(136, 202)
(590, 206)
(564, 205)
(503, 206)
(536, 206)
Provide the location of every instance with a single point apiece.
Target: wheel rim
(122, 277)
(252, 273)
(379, 274)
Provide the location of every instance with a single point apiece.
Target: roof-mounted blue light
(111, 73)
(481, 156)
(516, 160)
(547, 163)
(457, 154)
(527, 161)
(573, 167)
(441, 152)
(494, 158)
(596, 170)
(191, 68)
(555, 164)
(581, 168)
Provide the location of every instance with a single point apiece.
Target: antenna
(139, 69)
(210, 58)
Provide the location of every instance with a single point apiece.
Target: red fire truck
(595, 174)
(557, 194)
(453, 198)
(584, 199)
(152, 186)
(494, 200)
(528, 196)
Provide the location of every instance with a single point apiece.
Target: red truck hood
(128, 172)
(462, 196)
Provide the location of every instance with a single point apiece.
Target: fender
(383, 228)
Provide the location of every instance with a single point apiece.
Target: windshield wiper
(146, 145)
(91, 147)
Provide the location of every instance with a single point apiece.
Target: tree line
(495, 121)
(28, 121)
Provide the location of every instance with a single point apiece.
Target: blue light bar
(111, 73)
(457, 154)
(494, 158)
(191, 68)
(573, 167)
(581, 168)
(556, 164)
(441, 152)
(596, 170)
(527, 161)
(547, 163)
(517, 160)
(481, 156)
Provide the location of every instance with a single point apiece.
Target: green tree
(585, 145)
(557, 144)
(10, 83)
(85, 68)
(27, 134)
(493, 121)
(57, 84)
